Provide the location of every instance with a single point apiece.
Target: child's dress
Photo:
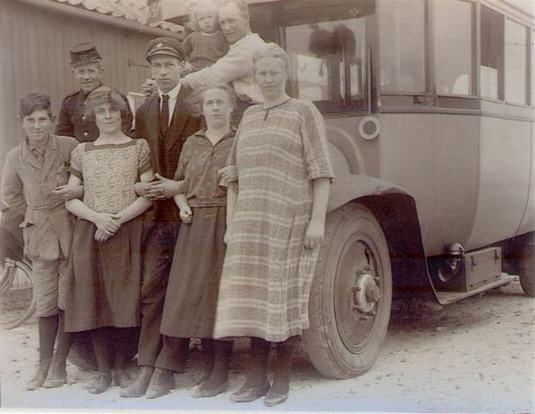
(104, 283)
(203, 50)
(191, 298)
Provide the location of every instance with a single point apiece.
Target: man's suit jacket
(165, 150)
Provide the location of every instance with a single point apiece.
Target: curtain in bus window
(452, 35)
(516, 43)
(491, 69)
(327, 59)
(402, 45)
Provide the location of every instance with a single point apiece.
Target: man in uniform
(88, 71)
(163, 120)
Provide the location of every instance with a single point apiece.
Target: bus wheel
(526, 268)
(351, 295)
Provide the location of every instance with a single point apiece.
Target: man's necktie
(164, 114)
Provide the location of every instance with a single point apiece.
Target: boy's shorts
(47, 285)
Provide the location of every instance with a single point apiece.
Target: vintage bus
(430, 115)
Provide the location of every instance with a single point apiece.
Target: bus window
(327, 48)
(516, 49)
(402, 45)
(452, 41)
(532, 84)
(491, 69)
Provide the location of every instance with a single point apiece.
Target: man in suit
(88, 72)
(163, 120)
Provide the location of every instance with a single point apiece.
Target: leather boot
(162, 381)
(139, 386)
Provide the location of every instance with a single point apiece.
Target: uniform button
(83, 117)
(86, 134)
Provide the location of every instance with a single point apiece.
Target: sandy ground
(478, 356)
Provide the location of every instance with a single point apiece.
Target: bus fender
(395, 210)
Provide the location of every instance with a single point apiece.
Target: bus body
(430, 119)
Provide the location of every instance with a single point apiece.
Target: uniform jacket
(73, 122)
(27, 185)
(165, 151)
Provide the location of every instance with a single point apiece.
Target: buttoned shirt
(198, 166)
(28, 183)
(73, 122)
(173, 93)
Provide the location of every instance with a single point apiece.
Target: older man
(88, 72)
(236, 66)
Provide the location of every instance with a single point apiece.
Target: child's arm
(185, 210)
(140, 205)
(106, 223)
(12, 186)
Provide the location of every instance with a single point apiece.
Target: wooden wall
(34, 56)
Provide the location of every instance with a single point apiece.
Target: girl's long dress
(192, 291)
(267, 272)
(104, 279)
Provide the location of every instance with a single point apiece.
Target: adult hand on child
(186, 214)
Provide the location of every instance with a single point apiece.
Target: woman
(105, 264)
(276, 228)
(191, 299)
(34, 178)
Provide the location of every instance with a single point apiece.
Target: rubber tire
(526, 268)
(6, 284)
(322, 341)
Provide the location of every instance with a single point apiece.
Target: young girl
(191, 299)
(34, 178)
(103, 294)
(207, 43)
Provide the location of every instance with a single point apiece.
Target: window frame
(527, 96)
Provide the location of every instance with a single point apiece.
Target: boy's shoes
(162, 381)
(274, 398)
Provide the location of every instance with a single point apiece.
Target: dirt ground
(478, 356)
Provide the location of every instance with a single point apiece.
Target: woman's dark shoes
(275, 398)
(122, 378)
(161, 383)
(100, 383)
(139, 386)
(40, 376)
(206, 390)
(249, 394)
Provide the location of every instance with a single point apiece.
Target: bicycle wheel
(17, 302)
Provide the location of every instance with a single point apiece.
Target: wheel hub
(366, 293)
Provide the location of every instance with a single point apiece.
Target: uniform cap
(84, 53)
(165, 46)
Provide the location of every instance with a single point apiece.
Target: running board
(445, 297)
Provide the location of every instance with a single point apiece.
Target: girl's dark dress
(191, 298)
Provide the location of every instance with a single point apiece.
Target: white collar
(173, 93)
(235, 44)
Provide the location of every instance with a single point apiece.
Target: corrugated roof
(133, 10)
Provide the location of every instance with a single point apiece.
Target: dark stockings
(108, 344)
(257, 375)
(64, 342)
(285, 354)
(48, 328)
(219, 358)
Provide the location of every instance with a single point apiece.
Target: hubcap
(358, 292)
